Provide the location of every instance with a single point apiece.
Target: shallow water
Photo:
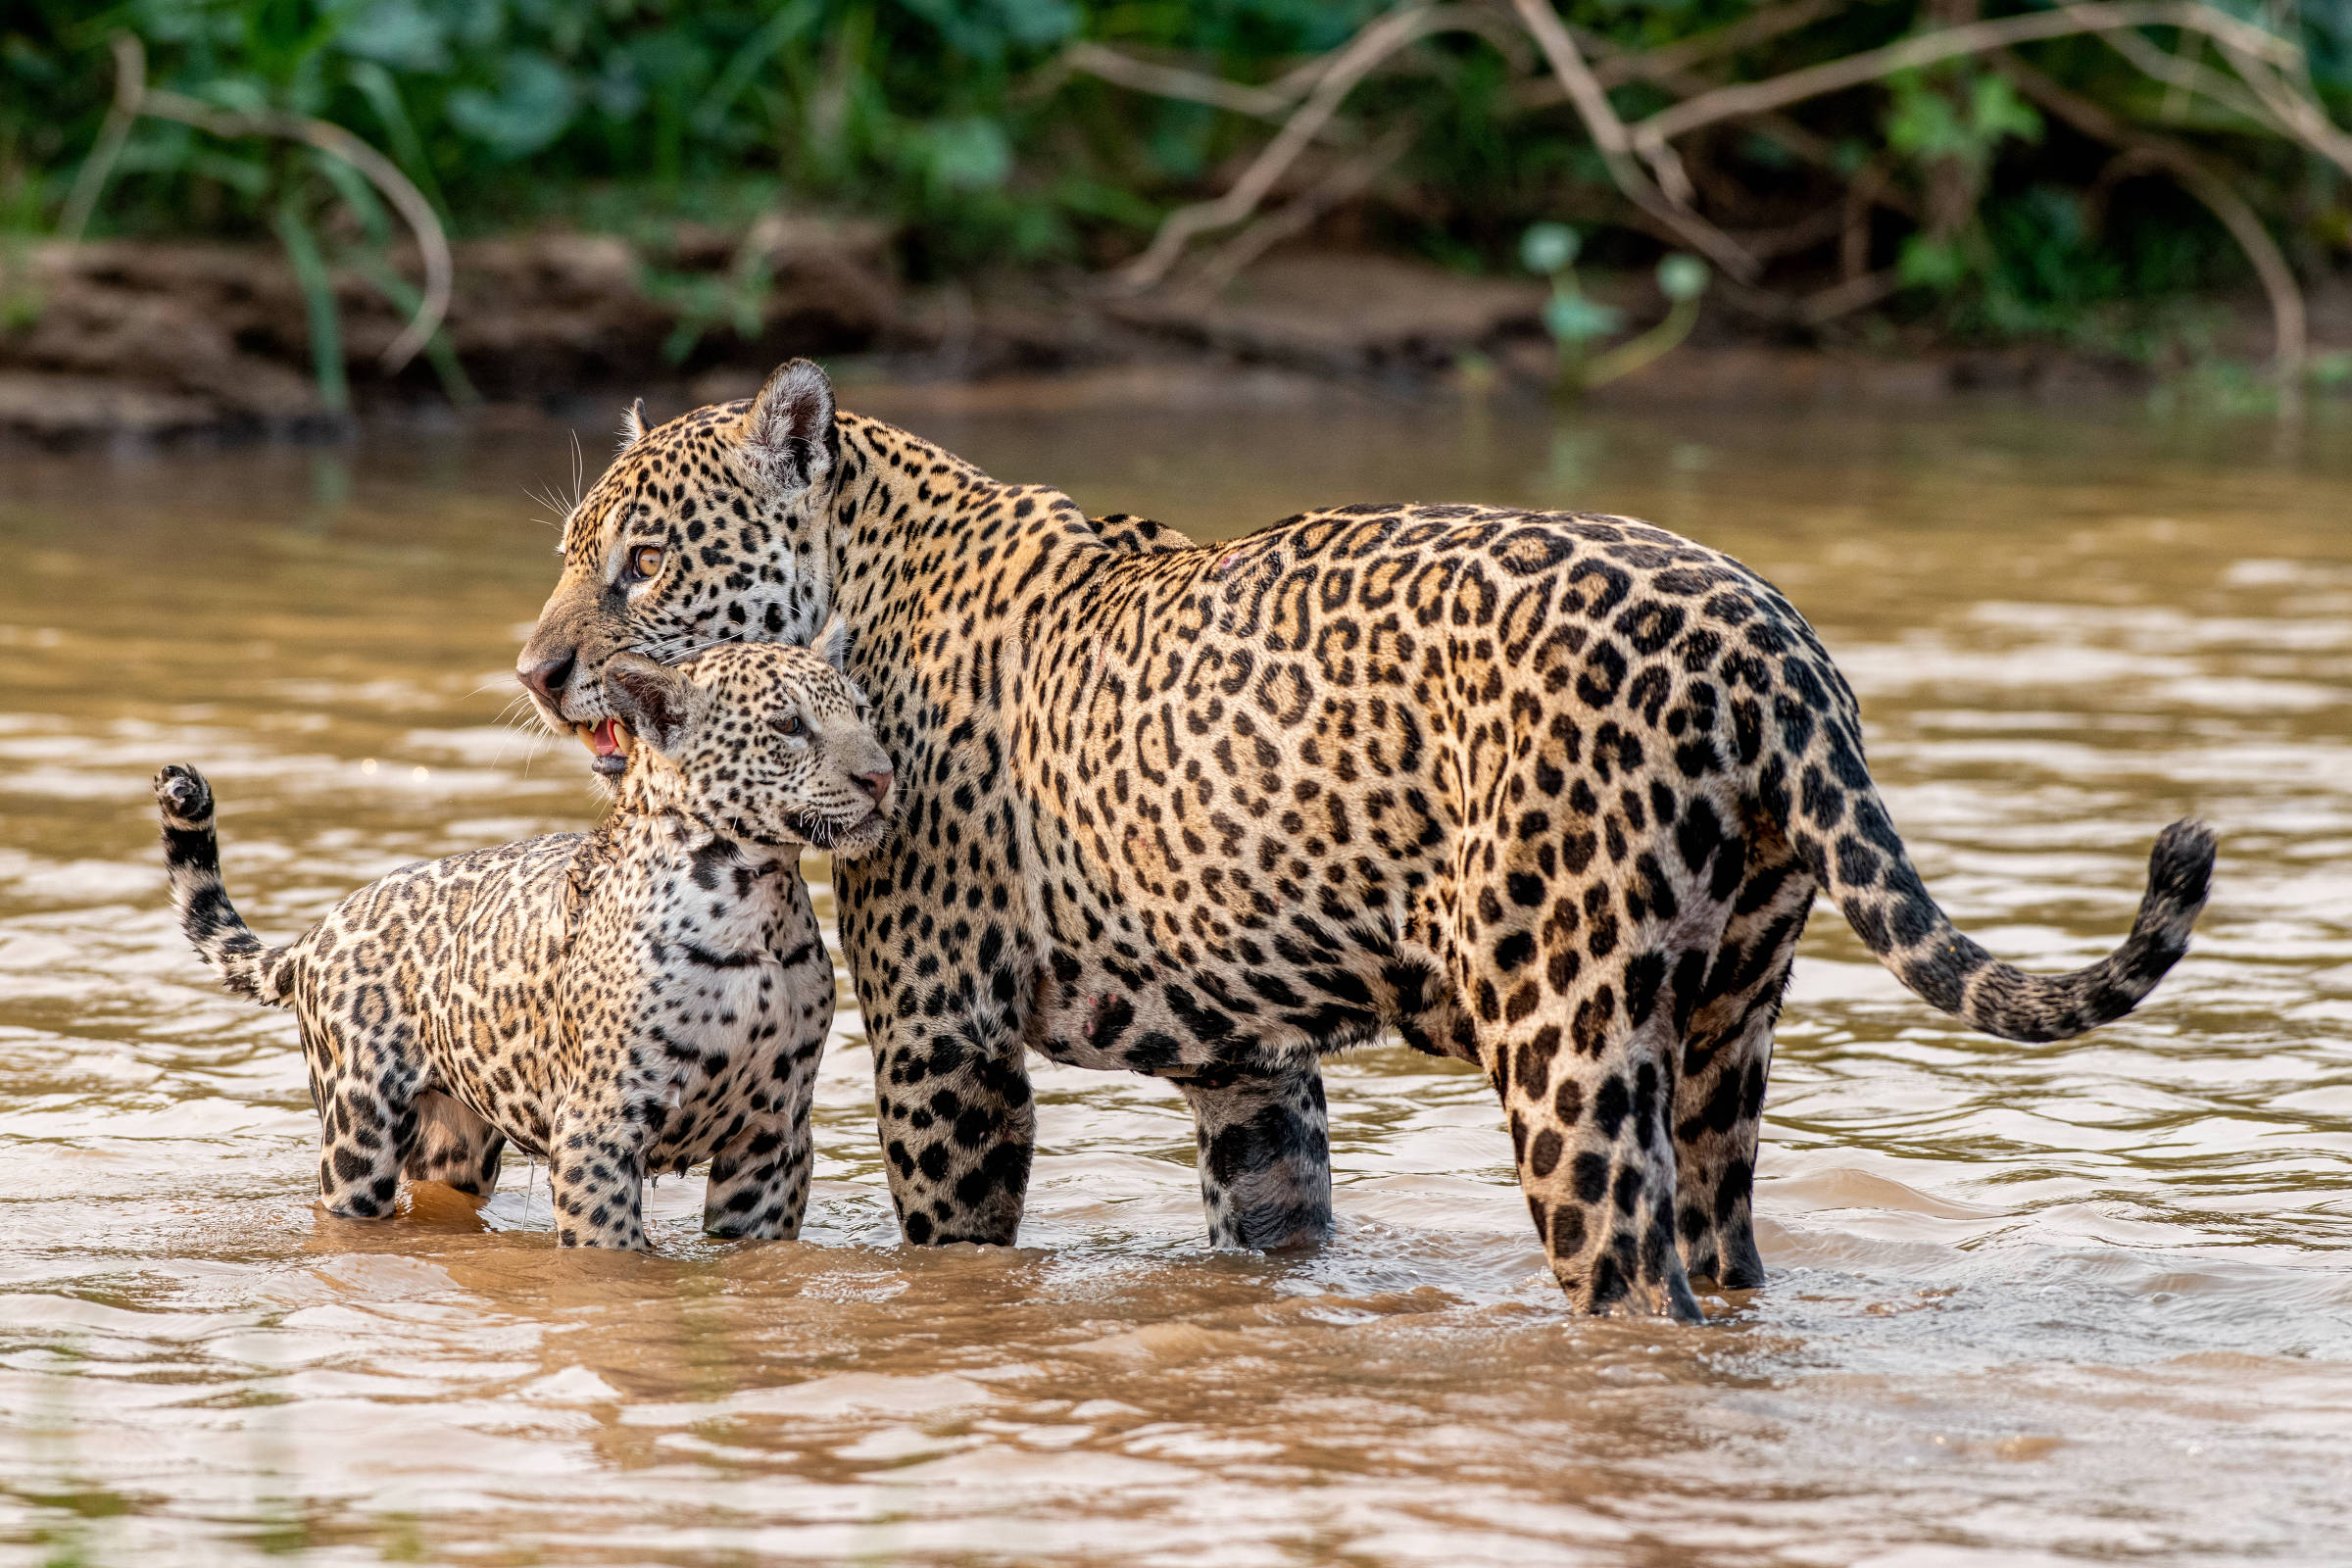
(2028, 1303)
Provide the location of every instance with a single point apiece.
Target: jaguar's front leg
(1264, 1146)
(946, 983)
(956, 1124)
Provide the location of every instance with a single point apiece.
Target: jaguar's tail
(1861, 863)
(192, 855)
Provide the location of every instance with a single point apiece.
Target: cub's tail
(192, 855)
(1861, 862)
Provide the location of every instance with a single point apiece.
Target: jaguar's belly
(1102, 1005)
(499, 1050)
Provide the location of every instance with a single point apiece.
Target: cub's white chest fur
(717, 942)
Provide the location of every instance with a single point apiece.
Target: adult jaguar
(641, 998)
(1548, 793)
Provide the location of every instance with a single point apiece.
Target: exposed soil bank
(139, 342)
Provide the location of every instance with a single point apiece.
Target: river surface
(2027, 1303)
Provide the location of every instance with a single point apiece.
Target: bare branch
(1952, 43)
(2186, 74)
(130, 84)
(1381, 39)
(1192, 86)
(1858, 293)
(1795, 239)
(1342, 183)
(1759, 28)
(1609, 133)
(381, 171)
(1273, 100)
(1809, 145)
(1871, 185)
(133, 98)
(2293, 110)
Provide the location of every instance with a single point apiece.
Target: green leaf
(534, 103)
(969, 154)
(1997, 112)
(1549, 247)
(1574, 319)
(1682, 277)
(1931, 263)
(318, 303)
(402, 34)
(1925, 125)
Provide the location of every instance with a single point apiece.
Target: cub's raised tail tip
(186, 798)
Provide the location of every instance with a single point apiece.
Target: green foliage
(1681, 278)
(1927, 123)
(1548, 248)
(1577, 324)
(951, 120)
(1573, 318)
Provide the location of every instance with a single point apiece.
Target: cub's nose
(875, 784)
(546, 681)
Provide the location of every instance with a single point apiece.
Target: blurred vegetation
(989, 136)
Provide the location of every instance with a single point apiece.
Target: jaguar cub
(640, 998)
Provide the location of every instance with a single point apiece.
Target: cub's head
(765, 745)
(708, 529)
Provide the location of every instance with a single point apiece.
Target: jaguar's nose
(546, 681)
(876, 784)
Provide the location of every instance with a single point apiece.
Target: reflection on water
(2029, 1302)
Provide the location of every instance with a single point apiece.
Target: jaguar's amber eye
(789, 724)
(645, 560)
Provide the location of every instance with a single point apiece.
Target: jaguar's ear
(832, 642)
(632, 426)
(659, 706)
(788, 434)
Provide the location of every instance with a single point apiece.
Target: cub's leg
(454, 1147)
(366, 1114)
(596, 1175)
(760, 1184)
(1265, 1156)
(1727, 1054)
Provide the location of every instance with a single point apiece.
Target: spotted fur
(641, 998)
(1551, 793)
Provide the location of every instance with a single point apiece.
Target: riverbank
(127, 342)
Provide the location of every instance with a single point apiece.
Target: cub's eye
(789, 724)
(644, 561)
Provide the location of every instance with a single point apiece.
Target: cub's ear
(832, 642)
(632, 426)
(659, 706)
(788, 434)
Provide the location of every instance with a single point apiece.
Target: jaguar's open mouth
(609, 741)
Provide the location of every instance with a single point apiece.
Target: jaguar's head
(708, 529)
(767, 746)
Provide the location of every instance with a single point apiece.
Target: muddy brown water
(2089, 1301)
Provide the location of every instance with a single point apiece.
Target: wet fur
(1551, 793)
(641, 998)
